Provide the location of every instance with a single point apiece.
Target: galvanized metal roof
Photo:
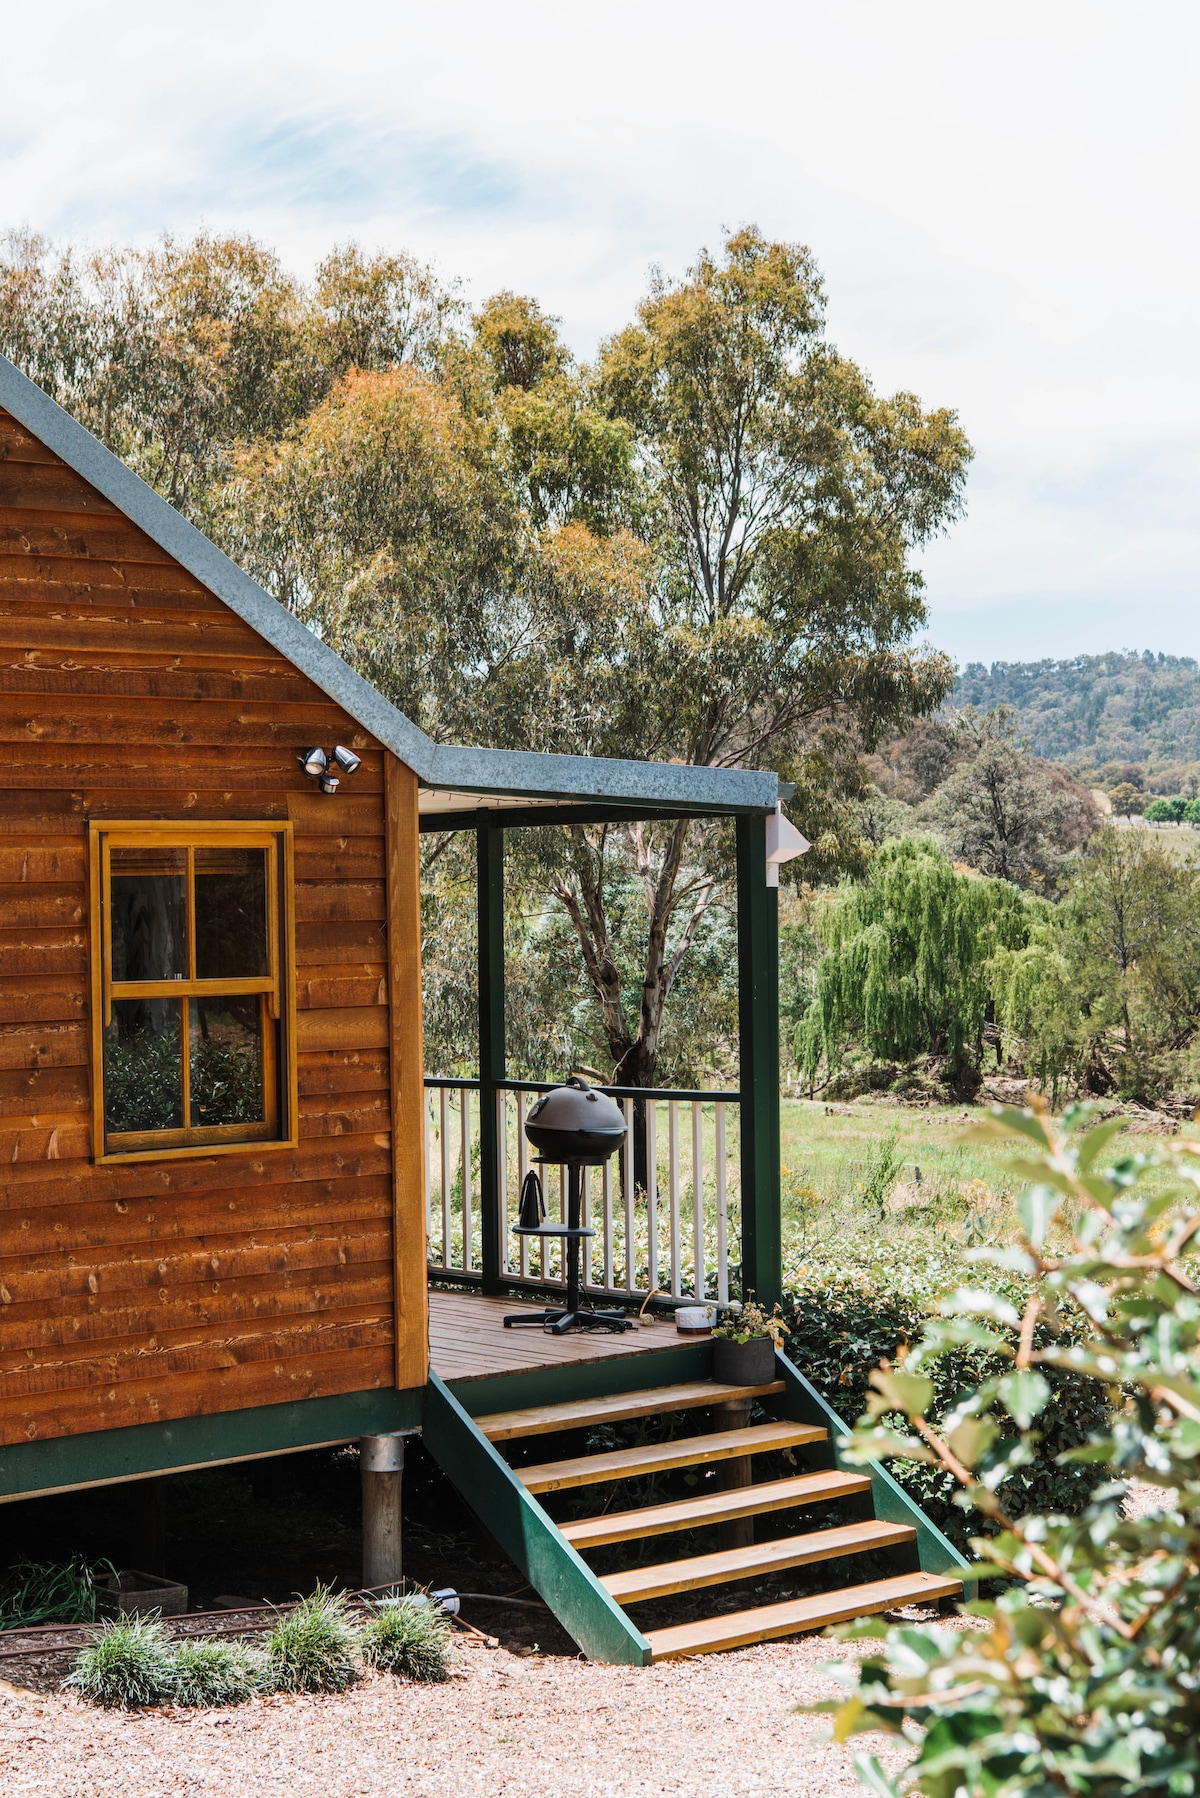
(457, 778)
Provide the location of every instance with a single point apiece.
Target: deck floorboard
(468, 1341)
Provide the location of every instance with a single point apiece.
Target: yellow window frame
(277, 988)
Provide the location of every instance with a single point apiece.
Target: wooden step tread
(660, 1457)
(713, 1507)
(711, 1635)
(639, 1583)
(653, 1401)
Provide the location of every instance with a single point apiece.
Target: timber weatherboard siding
(142, 1292)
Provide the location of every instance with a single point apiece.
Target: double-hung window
(192, 1028)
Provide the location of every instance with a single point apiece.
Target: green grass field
(853, 1202)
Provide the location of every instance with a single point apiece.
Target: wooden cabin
(213, 1200)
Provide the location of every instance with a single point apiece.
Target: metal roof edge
(437, 765)
(601, 778)
(34, 408)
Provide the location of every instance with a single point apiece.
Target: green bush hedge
(842, 1329)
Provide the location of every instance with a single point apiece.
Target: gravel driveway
(507, 1726)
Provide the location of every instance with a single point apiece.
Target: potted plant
(744, 1345)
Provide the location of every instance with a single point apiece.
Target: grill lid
(576, 1123)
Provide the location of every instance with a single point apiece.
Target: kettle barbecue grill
(572, 1126)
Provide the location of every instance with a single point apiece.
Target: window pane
(148, 914)
(231, 914)
(143, 1071)
(226, 1061)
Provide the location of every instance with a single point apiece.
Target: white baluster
(652, 1189)
(563, 1217)
(444, 1101)
(499, 1199)
(522, 1170)
(673, 1175)
(722, 1206)
(464, 1117)
(698, 1196)
(627, 1174)
(607, 1193)
(428, 1180)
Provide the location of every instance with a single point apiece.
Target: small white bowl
(695, 1320)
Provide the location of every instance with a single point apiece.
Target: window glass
(231, 914)
(225, 1048)
(143, 1069)
(148, 914)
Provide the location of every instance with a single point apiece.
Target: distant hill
(1093, 710)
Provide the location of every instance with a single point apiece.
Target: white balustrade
(685, 1247)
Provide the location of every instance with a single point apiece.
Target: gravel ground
(507, 1726)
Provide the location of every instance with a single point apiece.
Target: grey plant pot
(743, 1363)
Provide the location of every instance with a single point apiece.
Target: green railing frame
(521, 1527)
(802, 1403)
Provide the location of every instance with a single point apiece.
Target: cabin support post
(148, 1523)
(490, 895)
(758, 1054)
(382, 1460)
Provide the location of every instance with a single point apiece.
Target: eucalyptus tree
(1104, 997)
(175, 353)
(782, 498)
(700, 549)
(1006, 812)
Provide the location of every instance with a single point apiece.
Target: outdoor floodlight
(327, 770)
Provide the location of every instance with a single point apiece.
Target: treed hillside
(1094, 710)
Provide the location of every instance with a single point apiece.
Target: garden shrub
(128, 1665)
(840, 1332)
(208, 1673)
(1083, 1675)
(311, 1648)
(50, 1592)
(410, 1637)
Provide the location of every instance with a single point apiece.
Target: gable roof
(459, 778)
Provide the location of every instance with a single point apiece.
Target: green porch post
(758, 1038)
(490, 894)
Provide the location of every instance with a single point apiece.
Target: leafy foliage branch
(1084, 1675)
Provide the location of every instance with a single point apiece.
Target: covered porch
(691, 1205)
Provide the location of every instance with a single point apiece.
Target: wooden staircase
(732, 1493)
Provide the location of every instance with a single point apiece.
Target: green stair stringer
(556, 1572)
(802, 1403)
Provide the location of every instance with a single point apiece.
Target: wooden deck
(468, 1341)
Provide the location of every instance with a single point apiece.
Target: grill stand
(560, 1320)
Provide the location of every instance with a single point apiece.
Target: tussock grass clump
(209, 1673)
(312, 1648)
(408, 1638)
(128, 1665)
(50, 1592)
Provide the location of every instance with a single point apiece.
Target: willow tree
(906, 970)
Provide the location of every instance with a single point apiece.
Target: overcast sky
(1002, 200)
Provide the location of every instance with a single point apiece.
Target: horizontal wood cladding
(299, 1369)
(157, 1289)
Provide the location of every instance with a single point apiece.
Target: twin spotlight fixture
(328, 769)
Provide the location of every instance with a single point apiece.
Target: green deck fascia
(134, 1451)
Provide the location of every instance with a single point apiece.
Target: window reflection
(148, 913)
(231, 914)
(143, 1070)
(226, 1071)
